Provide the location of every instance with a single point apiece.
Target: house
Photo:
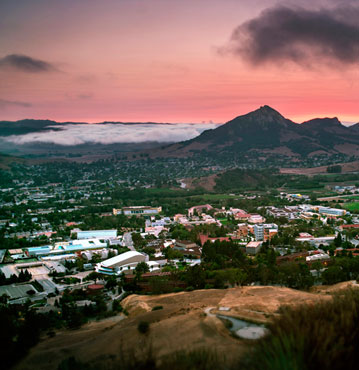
(350, 227)
(256, 219)
(199, 209)
(195, 252)
(242, 231)
(252, 248)
(317, 257)
(204, 238)
(184, 244)
(240, 214)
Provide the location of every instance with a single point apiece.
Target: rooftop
(121, 258)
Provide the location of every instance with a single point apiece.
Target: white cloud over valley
(110, 133)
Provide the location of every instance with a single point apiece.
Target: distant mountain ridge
(26, 126)
(266, 132)
(263, 134)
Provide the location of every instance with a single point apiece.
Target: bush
(116, 306)
(157, 308)
(319, 336)
(201, 359)
(143, 327)
(334, 169)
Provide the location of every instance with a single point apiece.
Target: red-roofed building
(353, 226)
(204, 238)
(199, 209)
(242, 216)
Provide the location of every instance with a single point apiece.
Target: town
(47, 252)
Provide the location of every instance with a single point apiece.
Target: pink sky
(155, 60)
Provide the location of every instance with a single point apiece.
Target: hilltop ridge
(265, 132)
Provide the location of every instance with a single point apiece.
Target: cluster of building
(306, 212)
(99, 249)
(137, 211)
(340, 189)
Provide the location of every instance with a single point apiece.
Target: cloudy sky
(178, 60)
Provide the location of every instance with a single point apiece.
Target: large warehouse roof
(121, 258)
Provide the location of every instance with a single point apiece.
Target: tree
(232, 276)
(172, 254)
(116, 306)
(94, 276)
(140, 269)
(333, 275)
(195, 276)
(111, 282)
(334, 169)
(138, 241)
(317, 265)
(295, 275)
(338, 240)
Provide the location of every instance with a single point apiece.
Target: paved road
(127, 239)
(208, 311)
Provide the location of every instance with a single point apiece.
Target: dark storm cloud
(299, 35)
(8, 103)
(25, 64)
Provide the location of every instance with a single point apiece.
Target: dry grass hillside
(347, 167)
(181, 324)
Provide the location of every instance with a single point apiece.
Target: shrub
(116, 306)
(319, 336)
(143, 327)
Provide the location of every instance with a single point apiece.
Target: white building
(124, 263)
(258, 232)
(138, 210)
(97, 234)
(253, 247)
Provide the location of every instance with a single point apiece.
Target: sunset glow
(158, 60)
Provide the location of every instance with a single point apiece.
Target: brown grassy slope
(346, 168)
(180, 325)
(6, 160)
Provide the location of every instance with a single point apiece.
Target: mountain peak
(263, 116)
(266, 112)
(267, 109)
(323, 123)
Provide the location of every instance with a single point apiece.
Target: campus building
(265, 232)
(124, 263)
(137, 210)
(97, 234)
